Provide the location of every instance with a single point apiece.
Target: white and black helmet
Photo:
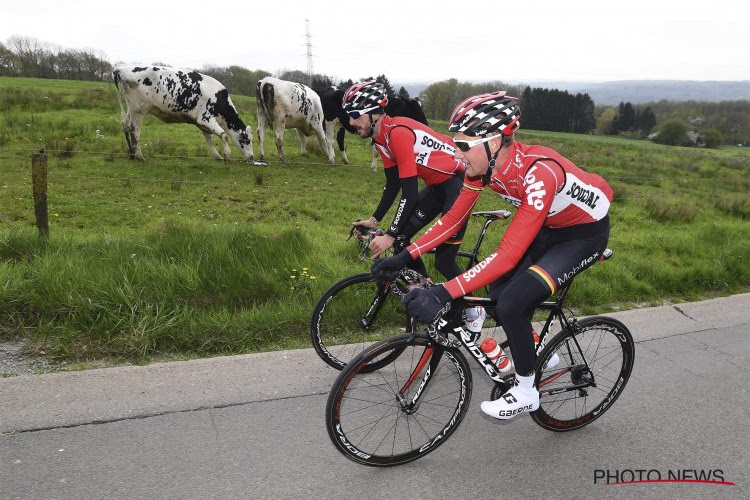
(365, 97)
(484, 114)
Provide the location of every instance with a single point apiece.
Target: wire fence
(636, 180)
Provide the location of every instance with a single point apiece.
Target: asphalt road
(252, 427)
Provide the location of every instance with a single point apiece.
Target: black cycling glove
(427, 304)
(384, 269)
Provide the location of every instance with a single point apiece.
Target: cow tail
(265, 95)
(120, 91)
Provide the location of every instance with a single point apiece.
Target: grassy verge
(184, 256)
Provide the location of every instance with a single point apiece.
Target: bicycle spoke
(569, 395)
(337, 330)
(370, 421)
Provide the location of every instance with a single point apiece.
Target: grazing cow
(283, 105)
(337, 121)
(179, 96)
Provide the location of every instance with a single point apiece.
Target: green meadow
(184, 256)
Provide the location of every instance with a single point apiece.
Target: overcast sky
(409, 41)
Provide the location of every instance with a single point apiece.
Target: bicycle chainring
(499, 389)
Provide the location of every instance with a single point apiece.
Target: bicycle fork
(371, 314)
(427, 366)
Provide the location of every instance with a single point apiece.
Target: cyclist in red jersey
(410, 151)
(561, 228)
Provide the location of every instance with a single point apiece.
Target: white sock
(526, 382)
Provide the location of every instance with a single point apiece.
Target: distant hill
(636, 91)
(640, 91)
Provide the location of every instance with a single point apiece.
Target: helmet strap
(491, 162)
(373, 123)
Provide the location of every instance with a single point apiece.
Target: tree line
(684, 123)
(29, 57)
(688, 122)
(542, 109)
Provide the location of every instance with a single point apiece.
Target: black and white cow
(337, 121)
(179, 96)
(283, 104)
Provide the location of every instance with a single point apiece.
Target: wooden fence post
(39, 187)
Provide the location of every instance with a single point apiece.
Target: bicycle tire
(367, 423)
(344, 321)
(608, 349)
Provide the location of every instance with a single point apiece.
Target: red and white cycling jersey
(548, 189)
(416, 150)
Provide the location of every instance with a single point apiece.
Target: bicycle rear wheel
(595, 361)
(351, 315)
(372, 418)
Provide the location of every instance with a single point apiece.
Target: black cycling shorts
(557, 255)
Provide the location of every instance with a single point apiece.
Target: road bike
(422, 387)
(358, 310)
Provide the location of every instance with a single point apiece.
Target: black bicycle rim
(602, 352)
(365, 419)
(337, 331)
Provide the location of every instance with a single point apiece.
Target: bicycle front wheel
(404, 410)
(593, 364)
(353, 314)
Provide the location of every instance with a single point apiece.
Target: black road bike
(421, 389)
(357, 311)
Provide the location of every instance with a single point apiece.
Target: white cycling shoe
(522, 397)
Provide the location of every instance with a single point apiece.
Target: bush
(672, 133)
(712, 138)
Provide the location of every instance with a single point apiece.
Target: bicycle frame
(473, 256)
(490, 217)
(453, 324)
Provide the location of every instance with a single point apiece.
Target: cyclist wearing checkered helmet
(410, 151)
(561, 228)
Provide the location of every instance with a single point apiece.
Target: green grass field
(183, 256)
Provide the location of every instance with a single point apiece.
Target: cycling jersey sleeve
(401, 145)
(539, 188)
(390, 191)
(451, 222)
(409, 197)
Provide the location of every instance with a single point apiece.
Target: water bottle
(495, 353)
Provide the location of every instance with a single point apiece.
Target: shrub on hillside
(673, 132)
(712, 138)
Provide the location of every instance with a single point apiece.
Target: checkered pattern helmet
(483, 114)
(365, 97)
